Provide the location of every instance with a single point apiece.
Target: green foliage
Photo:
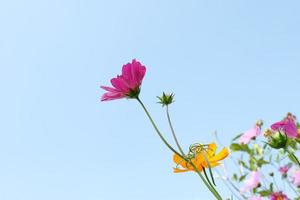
(241, 147)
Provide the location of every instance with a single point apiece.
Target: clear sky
(228, 62)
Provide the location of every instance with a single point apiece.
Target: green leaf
(261, 162)
(265, 193)
(252, 162)
(237, 137)
(242, 177)
(241, 147)
(271, 187)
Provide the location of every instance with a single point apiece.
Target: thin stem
(181, 151)
(173, 131)
(230, 155)
(228, 186)
(213, 190)
(293, 155)
(237, 189)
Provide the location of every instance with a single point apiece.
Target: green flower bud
(277, 140)
(166, 99)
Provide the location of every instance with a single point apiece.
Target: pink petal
(120, 84)
(248, 135)
(112, 96)
(109, 89)
(133, 73)
(126, 73)
(141, 74)
(296, 178)
(255, 198)
(276, 126)
(291, 129)
(287, 125)
(252, 182)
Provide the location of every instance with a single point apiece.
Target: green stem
(293, 155)
(181, 151)
(212, 190)
(173, 131)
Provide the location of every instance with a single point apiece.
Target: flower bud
(166, 99)
(259, 123)
(277, 140)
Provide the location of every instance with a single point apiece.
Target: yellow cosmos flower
(203, 155)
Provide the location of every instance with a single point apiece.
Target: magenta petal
(288, 126)
(136, 72)
(120, 84)
(126, 73)
(141, 74)
(278, 125)
(291, 129)
(133, 73)
(111, 96)
(109, 89)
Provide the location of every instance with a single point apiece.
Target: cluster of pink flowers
(287, 126)
(255, 180)
(282, 135)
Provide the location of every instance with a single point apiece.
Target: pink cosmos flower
(252, 182)
(296, 177)
(126, 85)
(278, 196)
(255, 198)
(284, 169)
(287, 125)
(250, 134)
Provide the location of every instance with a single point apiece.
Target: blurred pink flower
(288, 126)
(284, 169)
(296, 177)
(126, 85)
(278, 196)
(250, 134)
(255, 198)
(252, 182)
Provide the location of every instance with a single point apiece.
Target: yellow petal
(179, 161)
(211, 149)
(220, 156)
(212, 164)
(177, 170)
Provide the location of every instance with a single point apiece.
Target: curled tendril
(198, 148)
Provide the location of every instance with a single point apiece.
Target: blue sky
(228, 62)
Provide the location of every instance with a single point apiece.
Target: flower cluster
(268, 166)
